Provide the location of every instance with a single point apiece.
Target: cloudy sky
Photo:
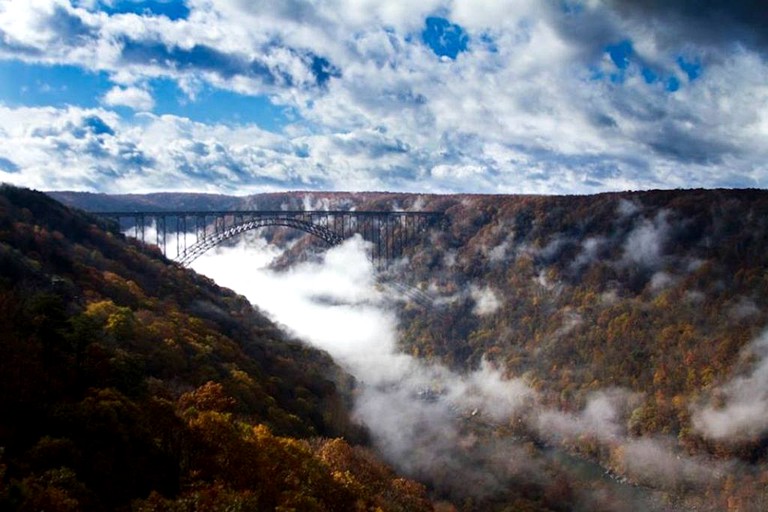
(502, 96)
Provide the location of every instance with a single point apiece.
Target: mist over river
(439, 426)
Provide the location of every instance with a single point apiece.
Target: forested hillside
(128, 383)
(636, 320)
(654, 292)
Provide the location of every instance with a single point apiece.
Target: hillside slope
(656, 292)
(130, 383)
(636, 320)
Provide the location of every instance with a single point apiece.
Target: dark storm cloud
(226, 65)
(589, 33)
(711, 22)
(69, 28)
(197, 58)
(601, 120)
(373, 145)
(682, 145)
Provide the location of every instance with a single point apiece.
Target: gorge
(615, 329)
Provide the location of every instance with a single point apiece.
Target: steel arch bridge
(195, 232)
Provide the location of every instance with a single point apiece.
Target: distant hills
(270, 201)
(128, 383)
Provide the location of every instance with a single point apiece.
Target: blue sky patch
(692, 68)
(673, 84)
(35, 85)
(213, 105)
(8, 166)
(446, 39)
(649, 75)
(172, 9)
(620, 53)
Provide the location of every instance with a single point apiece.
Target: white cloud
(132, 97)
(499, 253)
(655, 463)
(58, 148)
(601, 418)
(94, 149)
(590, 250)
(649, 461)
(645, 243)
(627, 208)
(742, 309)
(486, 300)
(414, 410)
(661, 280)
(26, 23)
(742, 411)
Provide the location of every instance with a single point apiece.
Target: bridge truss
(192, 233)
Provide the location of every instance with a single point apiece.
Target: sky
(443, 96)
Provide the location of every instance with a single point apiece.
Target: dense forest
(634, 321)
(648, 308)
(129, 383)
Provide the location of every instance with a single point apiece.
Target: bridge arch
(204, 244)
(389, 232)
